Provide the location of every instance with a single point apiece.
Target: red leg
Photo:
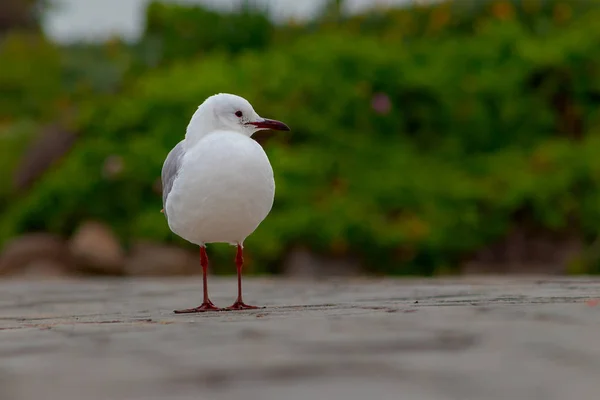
(239, 262)
(206, 305)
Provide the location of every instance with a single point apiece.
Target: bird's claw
(204, 307)
(240, 305)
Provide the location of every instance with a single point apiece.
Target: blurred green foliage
(192, 32)
(26, 91)
(418, 135)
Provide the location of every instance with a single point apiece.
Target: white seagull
(218, 183)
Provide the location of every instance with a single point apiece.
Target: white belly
(224, 190)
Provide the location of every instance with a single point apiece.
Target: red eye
(238, 114)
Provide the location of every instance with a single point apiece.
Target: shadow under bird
(218, 183)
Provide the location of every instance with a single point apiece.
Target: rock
(44, 268)
(41, 253)
(155, 259)
(96, 249)
(302, 263)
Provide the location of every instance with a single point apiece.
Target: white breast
(224, 190)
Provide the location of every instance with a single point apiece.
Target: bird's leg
(239, 262)
(206, 305)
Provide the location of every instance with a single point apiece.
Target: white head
(229, 112)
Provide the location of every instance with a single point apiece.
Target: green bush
(26, 90)
(465, 17)
(187, 32)
(409, 155)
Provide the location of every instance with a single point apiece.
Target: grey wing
(170, 170)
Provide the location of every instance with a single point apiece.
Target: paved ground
(458, 339)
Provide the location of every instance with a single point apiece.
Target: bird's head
(234, 113)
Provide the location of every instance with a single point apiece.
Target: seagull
(217, 183)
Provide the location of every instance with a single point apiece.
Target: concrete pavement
(465, 338)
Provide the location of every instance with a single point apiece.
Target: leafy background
(421, 135)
